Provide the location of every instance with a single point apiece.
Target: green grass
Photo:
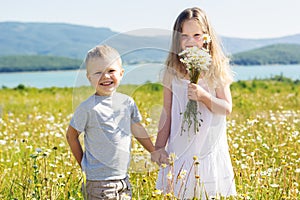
(36, 163)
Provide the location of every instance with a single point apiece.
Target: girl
(200, 164)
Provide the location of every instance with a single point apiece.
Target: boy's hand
(160, 156)
(155, 155)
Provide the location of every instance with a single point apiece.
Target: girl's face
(104, 76)
(191, 34)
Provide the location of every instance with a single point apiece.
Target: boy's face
(104, 75)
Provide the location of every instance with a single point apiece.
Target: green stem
(191, 112)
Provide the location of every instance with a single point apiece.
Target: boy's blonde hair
(219, 73)
(104, 52)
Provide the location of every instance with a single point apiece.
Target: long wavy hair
(219, 73)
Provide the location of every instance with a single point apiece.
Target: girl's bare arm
(220, 104)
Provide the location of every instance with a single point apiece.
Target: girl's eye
(111, 70)
(184, 37)
(197, 36)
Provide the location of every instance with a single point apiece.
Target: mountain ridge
(282, 54)
(73, 41)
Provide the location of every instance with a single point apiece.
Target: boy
(107, 118)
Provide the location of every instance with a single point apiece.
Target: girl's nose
(191, 40)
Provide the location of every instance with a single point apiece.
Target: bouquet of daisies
(195, 60)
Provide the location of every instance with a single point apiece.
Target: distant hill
(73, 41)
(37, 63)
(269, 55)
(237, 45)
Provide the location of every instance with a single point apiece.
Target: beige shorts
(108, 189)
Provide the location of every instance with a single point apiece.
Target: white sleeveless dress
(214, 174)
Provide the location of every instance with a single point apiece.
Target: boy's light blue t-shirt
(106, 123)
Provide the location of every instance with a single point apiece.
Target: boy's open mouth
(107, 83)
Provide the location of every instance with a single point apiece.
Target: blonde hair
(104, 52)
(219, 72)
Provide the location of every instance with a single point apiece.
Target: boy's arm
(142, 136)
(73, 140)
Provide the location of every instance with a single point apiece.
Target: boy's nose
(106, 75)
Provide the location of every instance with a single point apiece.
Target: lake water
(135, 74)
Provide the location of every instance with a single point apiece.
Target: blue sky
(233, 18)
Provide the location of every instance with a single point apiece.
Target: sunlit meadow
(36, 162)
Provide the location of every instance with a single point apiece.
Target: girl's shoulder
(171, 76)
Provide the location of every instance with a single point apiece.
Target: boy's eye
(98, 73)
(111, 70)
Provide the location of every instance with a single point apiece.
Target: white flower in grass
(182, 174)
(60, 176)
(169, 175)
(2, 142)
(125, 197)
(274, 185)
(26, 133)
(172, 156)
(157, 192)
(38, 150)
